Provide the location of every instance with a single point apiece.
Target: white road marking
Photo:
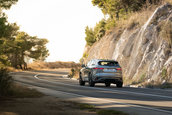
(128, 92)
(108, 100)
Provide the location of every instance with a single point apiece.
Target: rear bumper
(107, 80)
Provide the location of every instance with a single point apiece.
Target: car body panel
(100, 71)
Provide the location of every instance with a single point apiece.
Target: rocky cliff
(144, 53)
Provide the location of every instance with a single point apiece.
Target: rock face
(144, 52)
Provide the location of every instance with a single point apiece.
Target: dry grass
(18, 91)
(166, 31)
(11, 69)
(100, 111)
(168, 1)
(52, 65)
(138, 19)
(41, 106)
(158, 85)
(31, 102)
(74, 72)
(49, 106)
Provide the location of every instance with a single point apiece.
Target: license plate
(109, 70)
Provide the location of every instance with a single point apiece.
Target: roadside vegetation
(10, 89)
(16, 49)
(120, 14)
(74, 67)
(52, 65)
(92, 108)
(50, 106)
(128, 14)
(74, 72)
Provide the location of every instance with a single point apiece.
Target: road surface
(135, 101)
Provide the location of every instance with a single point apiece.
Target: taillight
(118, 69)
(98, 68)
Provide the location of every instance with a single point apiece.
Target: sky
(62, 22)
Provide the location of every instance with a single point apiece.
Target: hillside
(144, 52)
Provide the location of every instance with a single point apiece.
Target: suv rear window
(108, 63)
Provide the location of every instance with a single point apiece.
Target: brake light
(118, 69)
(98, 68)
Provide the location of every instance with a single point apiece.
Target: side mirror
(83, 65)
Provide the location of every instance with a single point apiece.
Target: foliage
(15, 46)
(92, 108)
(23, 47)
(74, 72)
(96, 33)
(87, 106)
(142, 78)
(99, 29)
(164, 73)
(85, 55)
(110, 23)
(26, 47)
(115, 10)
(5, 81)
(6, 4)
(90, 37)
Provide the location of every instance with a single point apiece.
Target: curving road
(135, 101)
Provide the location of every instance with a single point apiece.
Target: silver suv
(101, 71)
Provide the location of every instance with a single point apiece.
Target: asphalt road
(135, 101)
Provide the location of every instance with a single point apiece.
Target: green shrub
(74, 72)
(90, 36)
(87, 106)
(96, 33)
(110, 23)
(85, 55)
(99, 29)
(164, 73)
(142, 78)
(5, 81)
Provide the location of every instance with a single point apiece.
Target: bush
(5, 81)
(90, 36)
(164, 73)
(142, 78)
(74, 72)
(166, 31)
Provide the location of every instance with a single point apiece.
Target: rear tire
(81, 82)
(119, 84)
(107, 84)
(90, 81)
